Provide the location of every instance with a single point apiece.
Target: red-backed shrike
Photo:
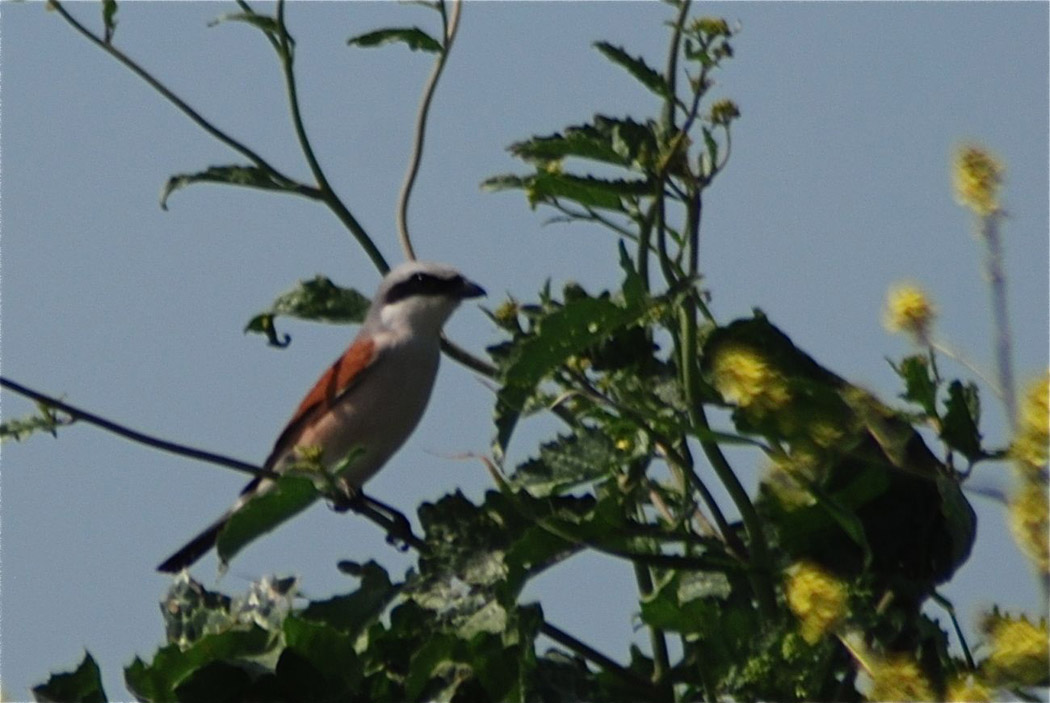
(373, 396)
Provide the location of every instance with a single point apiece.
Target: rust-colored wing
(339, 377)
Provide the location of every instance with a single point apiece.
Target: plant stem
(997, 283)
(327, 193)
(450, 25)
(135, 436)
(196, 117)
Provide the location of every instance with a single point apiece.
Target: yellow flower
(1020, 651)
(977, 175)
(724, 111)
(909, 310)
(1030, 445)
(1030, 521)
(968, 689)
(745, 378)
(817, 599)
(897, 677)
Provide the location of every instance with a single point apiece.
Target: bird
(371, 399)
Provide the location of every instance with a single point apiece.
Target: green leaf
(920, 387)
(316, 299)
(264, 23)
(247, 176)
(81, 686)
(414, 37)
(316, 651)
(569, 330)
(353, 612)
(289, 496)
(567, 462)
(172, 667)
(622, 142)
(646, 75)
(961, 418)
(544, 187)
(109, 19)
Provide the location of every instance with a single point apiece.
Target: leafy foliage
(852, 491)
(413, 37)
(249, 176)
(317, 300)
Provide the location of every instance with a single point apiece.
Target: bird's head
(420, 296)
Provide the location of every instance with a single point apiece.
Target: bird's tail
(195, 548)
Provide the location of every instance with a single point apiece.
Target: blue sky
(838, 186)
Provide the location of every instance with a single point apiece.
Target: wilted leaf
(646, 75)
(414, 37)
(81, 686)
(248, 176)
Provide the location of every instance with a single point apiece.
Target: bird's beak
(471, 290)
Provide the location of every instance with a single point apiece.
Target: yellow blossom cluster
(968, 689)
(1020, 651)
(818, 599)
(1031, 445)
(908, 309)
(1030, 503)
(744, 377)
(977, 176)
(897, 677)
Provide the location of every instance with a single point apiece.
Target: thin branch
(391, 520)
(450, 26)
(327, 193)
(196, 117)
(587, 652)
(135, 436)
(997, 283)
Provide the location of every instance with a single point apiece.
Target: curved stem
(327, 194)
(451, 25)
(196, 117)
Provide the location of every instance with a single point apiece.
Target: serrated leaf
(920, 387)
(247, 176)
(317, 300)
(84, 685)
(414, 37)
(567, 462)
(961, 418)
(289, 496)
(622, 142)
(646, 75)
(588, 191)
